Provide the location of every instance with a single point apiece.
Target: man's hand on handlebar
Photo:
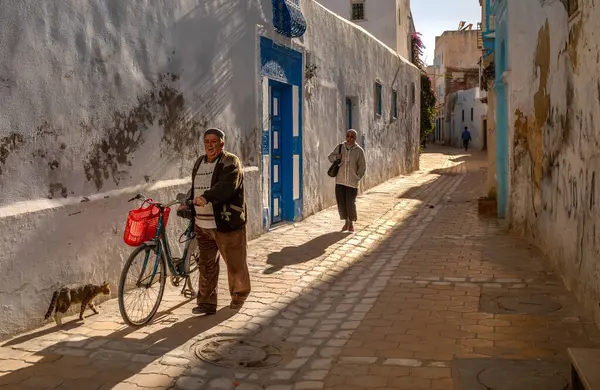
(200, 201)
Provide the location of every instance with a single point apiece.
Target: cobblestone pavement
(420, 293)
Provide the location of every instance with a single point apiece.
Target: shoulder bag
(335, 166)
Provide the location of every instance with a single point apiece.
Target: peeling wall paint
(554, 93)
(106, 99)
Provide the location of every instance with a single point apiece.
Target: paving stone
(221, 384)
(305, 352)
(190, 383)
(400, 302)
(296, 363)
(309, 385)
(282, 375)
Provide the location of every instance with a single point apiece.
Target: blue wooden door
(276, 154)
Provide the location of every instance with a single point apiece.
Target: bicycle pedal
(188, 294)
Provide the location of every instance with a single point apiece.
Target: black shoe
(205, 308)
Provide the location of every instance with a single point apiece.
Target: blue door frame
(282, 72)
(277, 199)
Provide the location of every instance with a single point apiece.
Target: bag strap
(195, 171)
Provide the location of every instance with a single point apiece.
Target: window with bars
(378, 99)
(358, 10)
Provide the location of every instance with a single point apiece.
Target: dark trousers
(232, 247)
(466, 144)
(346, 201)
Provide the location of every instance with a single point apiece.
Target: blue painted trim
(288, 19)
(285, 67)
(280, 63)
(379, 97)
(502, 151)
(348, 113)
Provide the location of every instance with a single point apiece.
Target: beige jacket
(352, 167)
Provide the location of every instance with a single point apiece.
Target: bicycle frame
(161, 241)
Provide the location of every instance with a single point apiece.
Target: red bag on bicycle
(142, 224)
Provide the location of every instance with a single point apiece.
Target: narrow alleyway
(415, 299)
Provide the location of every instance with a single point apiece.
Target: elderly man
(351, 170)
(220, 213)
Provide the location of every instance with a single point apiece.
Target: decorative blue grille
(288, 19)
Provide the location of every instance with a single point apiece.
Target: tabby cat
(67, 295)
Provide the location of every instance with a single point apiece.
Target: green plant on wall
(427, 106)
(428, 99)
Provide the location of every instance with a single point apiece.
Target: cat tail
(52, 305)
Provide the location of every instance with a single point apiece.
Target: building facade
(107, 99)
(456, 65)
(548, 142)
(390, 21)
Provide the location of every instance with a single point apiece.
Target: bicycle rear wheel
(140, 287)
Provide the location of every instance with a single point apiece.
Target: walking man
(466, 138)
(351, 170)
(220, 216)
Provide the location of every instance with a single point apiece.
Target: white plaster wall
(554, 138)
(104, 99)
(403, 31)
(86, 120)
(381, 17)
(349, 66)
(465, 100)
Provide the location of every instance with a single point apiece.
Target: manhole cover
(519, 304)
(521, 378)
(502, 374)
(236, 351)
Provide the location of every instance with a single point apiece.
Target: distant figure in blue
(466, 137)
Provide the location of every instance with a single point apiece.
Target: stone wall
(554, 104)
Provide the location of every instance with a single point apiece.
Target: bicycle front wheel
(142, 285)
(193, 279)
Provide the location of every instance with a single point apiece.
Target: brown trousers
(233, 247)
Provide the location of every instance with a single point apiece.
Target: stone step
(584, 368)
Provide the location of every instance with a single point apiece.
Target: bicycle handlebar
(187, 202)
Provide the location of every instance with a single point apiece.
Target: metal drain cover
(519, 304)
(237, 351)
(501, 374)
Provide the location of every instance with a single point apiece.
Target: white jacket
(352, 167)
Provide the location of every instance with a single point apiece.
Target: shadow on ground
(111, 356)
(79, 359)
(310, 250)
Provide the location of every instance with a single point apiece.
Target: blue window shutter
(288, 19)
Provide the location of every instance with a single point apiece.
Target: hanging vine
(428, 100)
(417, 49)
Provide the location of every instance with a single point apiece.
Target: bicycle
(181, 269)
